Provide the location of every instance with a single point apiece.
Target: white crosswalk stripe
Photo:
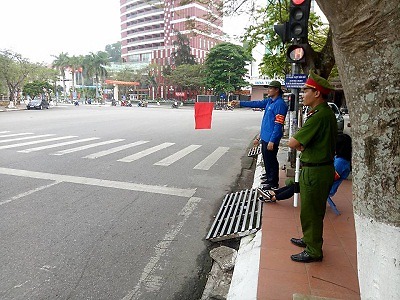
(210, 160)
(113, 150)
(57, 145)
(15, 134)
(76, 149)
(177, 156)
(146, 152)
(26, 138)
(21, 140)
(37, 142)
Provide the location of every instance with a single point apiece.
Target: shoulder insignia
(311, 113)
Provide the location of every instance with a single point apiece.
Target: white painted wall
(379, 260)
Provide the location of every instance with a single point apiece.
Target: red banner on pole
(203, 114)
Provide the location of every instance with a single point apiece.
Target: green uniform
(318, 136)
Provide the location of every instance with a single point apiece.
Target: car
(336, 111)
(37, 104)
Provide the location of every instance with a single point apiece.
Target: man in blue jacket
(271, 130)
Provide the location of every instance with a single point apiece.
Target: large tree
(187, 77)
(14, 72)
(366, 43)
(182, 54)
(61, 62)
(94, 66)
(225, 67)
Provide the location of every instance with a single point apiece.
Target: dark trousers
(271, 163)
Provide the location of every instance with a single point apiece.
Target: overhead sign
(295, 81)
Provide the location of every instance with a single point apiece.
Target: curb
(244, 284)
(245, 274)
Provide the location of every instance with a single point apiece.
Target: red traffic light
(298, 2)
(296, 53)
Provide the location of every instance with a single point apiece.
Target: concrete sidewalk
(278, 277)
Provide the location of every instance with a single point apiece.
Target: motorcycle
(142, 104)
(175, 104)
(126, 103)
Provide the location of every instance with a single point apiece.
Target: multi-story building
(149, 29)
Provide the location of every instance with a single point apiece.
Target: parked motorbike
(126, 103)
(228, 106)
(175, 104)
(142, 104)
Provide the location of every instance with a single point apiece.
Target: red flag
(203, 114)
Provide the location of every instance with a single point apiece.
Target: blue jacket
(273, 119)
(342, 171)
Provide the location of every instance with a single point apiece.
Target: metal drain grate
(239, 215)
(254, 151)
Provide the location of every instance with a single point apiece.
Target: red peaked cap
(317, 82)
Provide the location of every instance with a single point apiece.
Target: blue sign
(295, 81)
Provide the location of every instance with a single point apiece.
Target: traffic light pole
(294, 115)
(296, 124)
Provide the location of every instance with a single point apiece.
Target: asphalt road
(113, 202)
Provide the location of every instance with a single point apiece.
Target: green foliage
(182, 55)
(15, 71)
(37, 88)
(187, 77)
(262, 32)
(114, 52)
(225, 67)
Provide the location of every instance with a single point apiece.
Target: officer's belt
(304, 164)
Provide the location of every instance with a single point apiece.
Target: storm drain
(239, 215)
(254, 151)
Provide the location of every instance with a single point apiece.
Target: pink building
(149, 29)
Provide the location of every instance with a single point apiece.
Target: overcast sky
(38, 29)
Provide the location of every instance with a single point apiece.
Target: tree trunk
(366, 43)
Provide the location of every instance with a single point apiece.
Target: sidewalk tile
(281, 285)
(335, 277)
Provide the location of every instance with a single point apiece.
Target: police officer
(316, 141)
(271, 130)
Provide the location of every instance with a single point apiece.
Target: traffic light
(299, 13)
(283, 31)
(296, 53)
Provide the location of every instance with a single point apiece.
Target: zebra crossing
(28, 142)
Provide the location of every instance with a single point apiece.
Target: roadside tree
(187, 77)
(37, 89)
(182, 55)
(94, 66)
(15, 71)
(225, 67)
(366, 43)
(61, 62)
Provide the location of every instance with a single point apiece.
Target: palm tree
(74, 62)
(94, 66)
(61, 62)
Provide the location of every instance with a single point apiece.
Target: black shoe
(298, 242)
(304, 257)
(266, 200)
(269, 186)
